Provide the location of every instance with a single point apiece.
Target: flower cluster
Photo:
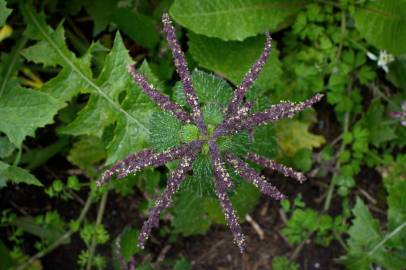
(237, 118)
(400, 115)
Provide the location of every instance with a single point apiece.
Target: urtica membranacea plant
(237, 117)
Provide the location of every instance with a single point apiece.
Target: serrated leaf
(382, 23)
(233, 59)
(367, 243)
(194, 215)
(209, 89)
(293, 135)
(24, 110)
(397, 210)
(234, 20)
(4, 12)
(164, 131)
(16, 175)
(128, 243)
(397, 69)
(86, 153)
(130, 116)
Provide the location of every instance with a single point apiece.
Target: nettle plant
(213, 135)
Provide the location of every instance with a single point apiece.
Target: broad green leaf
(233, 59)
(234, 20)
(24, 110)
(129, 113)
(164, 131)
(139, 27)
(86, 153)
(16, 175)
(397, 69)
(382, 23)
(128, 243)
(4, 12)
(293, 135)
(194, 215)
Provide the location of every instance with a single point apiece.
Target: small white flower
(383, 60)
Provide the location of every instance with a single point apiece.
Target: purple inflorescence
(161, 100)
(248, 173)
(237, 118)
(183, 71)
(165, 199)
(249, 78)
(273, 165)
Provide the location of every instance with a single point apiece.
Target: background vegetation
(69, 110)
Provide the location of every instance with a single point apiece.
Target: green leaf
(164, 131)
(139, 27)
(209, 89)
(233, 59)
(294, 135)
(194, 215)
(367, 243)
(182, 265)
(397, 69)
(382, 23)
(6, 260)
(23, 111)
(6, 147)
(51, 233)
(234, 20)
(86, 153)
(4, 12)
(129, 112)
(16, 175)
(128, 243)
(397, 210)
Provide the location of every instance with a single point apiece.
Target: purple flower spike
(237, 118)
(255, 178)
(225, 181)
(123, 165)
(161, 100)
(183, 71)
(400, 115)
(271, 164)
(249, 78)
(165, 199)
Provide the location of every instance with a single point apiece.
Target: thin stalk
(100, 213)
(61, 239)
(387, 237)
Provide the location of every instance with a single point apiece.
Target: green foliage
(4, 12)
(282, 263)
(231, 20)
(68, 108)
(233, 59)
(382, 24)
(128, 247)
(368, 244)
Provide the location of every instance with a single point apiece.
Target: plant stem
(330, 190)
(61, 239)
(100, 213)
